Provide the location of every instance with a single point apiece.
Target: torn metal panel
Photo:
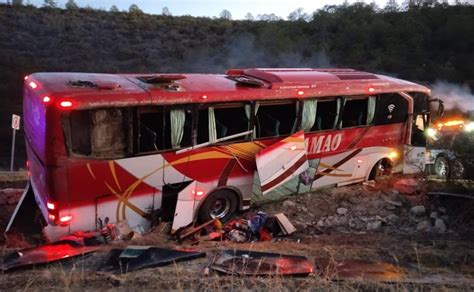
(359, 269)
(137, 257)
(184, 214)
(251, 263)
(48, 253)
(281, 161)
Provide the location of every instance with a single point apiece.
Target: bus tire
(381, 168)
(221, 204)
(441, 167)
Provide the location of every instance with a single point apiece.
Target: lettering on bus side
(323, 143)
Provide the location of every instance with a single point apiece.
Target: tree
(268, 17)
(298, 14)
(165, 11)
(249, 16)
(71, 5)
(114, 9)
(225, 14)
(17, 2)
(50, 4)
(134, 9)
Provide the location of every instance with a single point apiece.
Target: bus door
(414, 153)
(281, 161)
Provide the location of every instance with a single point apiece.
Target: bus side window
(358, 112)
(275, 120)
(80, 132)
(326, 115)
(391, 108)
(220, 121)
(108, 135)
(165, 129)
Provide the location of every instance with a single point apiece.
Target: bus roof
(88, 90)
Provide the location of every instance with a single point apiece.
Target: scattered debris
(407, 186)
(193, 230)
(359, 269)
(135, 258)
(64, 249)
(286, 227)
(252, 263)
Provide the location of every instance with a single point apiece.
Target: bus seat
(221, 129)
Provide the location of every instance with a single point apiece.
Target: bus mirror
(440, 110)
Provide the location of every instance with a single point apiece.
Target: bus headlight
(469, 127)
(431, 133)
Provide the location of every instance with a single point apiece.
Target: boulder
(424, 226)
(342, 211)
(440, 226)
(374, 225)
(418, 210)
(289, 204)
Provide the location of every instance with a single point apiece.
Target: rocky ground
(428, 238)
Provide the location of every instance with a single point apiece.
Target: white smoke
(454, 95)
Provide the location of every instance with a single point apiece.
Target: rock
(289, 204)
(394, 219)
(342, 211)
(424, 226)
(418, 210)
(380, 218)
(395, 192)
(374, 225)
(390, 207)
(394, 203)
(320, 223)
(434, 215)
(442, 210)
(440, 226)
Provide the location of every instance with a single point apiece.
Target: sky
(210, 8)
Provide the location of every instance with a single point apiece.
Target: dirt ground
(429, 239)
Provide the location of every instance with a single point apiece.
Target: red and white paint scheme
(337, 128)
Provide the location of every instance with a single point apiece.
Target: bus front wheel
(221, 205)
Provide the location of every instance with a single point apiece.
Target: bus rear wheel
(221, 205)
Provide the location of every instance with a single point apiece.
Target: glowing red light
(198, 193)
(50, 206)
(293, 148)
(46, 99)
(371, 89)
(65, 219)
(65, 103)
(52, 217)
(33, 85)
(300, 92)
(26, 77)
(204, 97)
(359, 161)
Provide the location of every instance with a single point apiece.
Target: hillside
(422, 43)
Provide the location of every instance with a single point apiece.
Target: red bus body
(74, 191)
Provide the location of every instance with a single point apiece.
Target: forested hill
(421, 43)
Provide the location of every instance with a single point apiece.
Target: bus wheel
(381, 168)
(441, 167)
(221, 205)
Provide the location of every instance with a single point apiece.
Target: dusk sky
(210, 8)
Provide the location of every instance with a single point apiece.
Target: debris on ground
(61, 250)
(252, 263)
(359, 270)
(134, 258)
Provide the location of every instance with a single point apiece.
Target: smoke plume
(454, 96)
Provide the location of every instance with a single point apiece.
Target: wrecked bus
(189, 147)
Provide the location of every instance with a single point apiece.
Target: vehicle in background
(186, 147)
(444, 157)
